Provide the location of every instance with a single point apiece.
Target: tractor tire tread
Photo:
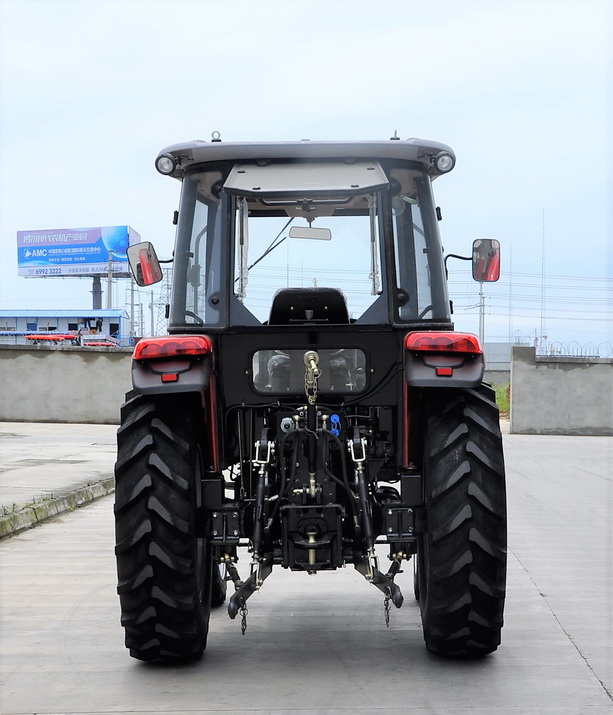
(462, 601)
(162, 615)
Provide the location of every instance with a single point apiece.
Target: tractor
(312, 405)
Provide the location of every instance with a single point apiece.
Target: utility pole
(481, 314)
(543, 298)
(510, 294)
(151, 313)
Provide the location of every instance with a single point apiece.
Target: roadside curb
(35, 514)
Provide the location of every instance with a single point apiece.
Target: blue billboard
(74, 251)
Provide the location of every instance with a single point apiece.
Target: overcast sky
(91, 90)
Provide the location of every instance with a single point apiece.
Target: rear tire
(164, 570)
(462, 556)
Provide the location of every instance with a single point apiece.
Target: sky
(92, 90)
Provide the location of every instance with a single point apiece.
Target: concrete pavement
(319, 644)
(49, 468)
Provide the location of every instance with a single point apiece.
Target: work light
(166, 163)
(444, 162)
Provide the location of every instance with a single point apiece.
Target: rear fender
(172, 364)
(428, 370)
(179, 364)
(171, 376)
(443, 359)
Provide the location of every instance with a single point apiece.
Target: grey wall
(41, 384)
(497, 377)
(560, 395)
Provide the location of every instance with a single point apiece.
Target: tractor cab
(356, 217)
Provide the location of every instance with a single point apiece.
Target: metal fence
(573, 348)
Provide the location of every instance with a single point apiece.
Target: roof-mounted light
(444, 162)
(166, 164)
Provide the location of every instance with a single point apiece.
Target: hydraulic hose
(284, 482)
(345, 481)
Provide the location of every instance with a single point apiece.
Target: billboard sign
(74, 251)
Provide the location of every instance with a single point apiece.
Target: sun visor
(298, 180)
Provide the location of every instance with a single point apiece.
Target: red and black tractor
(312, 405)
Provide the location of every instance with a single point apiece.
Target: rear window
(283, 371)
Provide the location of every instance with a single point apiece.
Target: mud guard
(172, 375)
(181, 375)
(444, 369)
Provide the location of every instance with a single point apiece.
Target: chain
(311, 375)
(243, 613)
(310, 388)
(386, 608)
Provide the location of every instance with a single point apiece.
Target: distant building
(20, 326)
(497, 363)
(498, 355)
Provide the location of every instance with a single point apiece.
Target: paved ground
(46, 469)
(315, 644)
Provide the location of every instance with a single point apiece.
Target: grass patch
(503, 398)
(8, 510)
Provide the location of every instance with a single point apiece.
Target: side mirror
(486, 260)
(144, 264)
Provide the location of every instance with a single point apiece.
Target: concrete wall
(560, 395)
(497, 377)
(42, 384)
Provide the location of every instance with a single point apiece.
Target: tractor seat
(308, 305)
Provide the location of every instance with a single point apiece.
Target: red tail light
(173, 346)
(439, 341)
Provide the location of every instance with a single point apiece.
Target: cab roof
(194, 153)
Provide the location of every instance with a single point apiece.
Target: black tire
(164, 569)
(462, 555)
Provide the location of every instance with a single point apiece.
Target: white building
(19, 326)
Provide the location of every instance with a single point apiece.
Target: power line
(548, 276)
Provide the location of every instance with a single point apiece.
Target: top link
(312, 373)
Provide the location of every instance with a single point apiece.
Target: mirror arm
(455, 255)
